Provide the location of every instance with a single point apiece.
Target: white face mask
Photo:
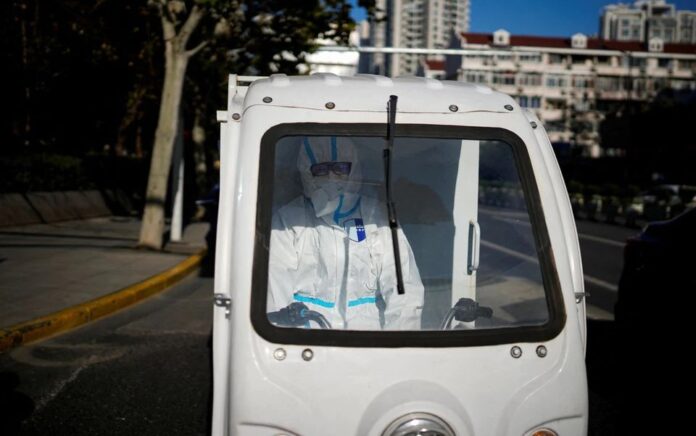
(326, 197)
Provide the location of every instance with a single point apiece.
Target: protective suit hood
(332, 192)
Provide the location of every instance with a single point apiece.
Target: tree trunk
(176, 59)
(152, 228)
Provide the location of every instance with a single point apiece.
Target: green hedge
(35, 172)
(42, 172)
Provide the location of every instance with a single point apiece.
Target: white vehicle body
(361, 390)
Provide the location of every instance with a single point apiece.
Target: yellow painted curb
(72, 317)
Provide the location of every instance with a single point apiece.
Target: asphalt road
(146, 370)
(601, 247)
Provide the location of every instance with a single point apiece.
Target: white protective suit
(332, 249)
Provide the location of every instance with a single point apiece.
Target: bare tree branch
(168, 29)
(190, 25)
(196, 49)
(164, 11)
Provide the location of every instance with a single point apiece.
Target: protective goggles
(338, 168)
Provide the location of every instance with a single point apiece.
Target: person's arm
(282, 265)
(402, 312)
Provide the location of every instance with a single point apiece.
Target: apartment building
(413, 24)
(571, 83)
(646, 19)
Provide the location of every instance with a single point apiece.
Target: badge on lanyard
(355, 229)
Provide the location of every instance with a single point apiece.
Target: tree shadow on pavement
(15, 407)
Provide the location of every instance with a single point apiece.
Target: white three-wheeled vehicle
(394, 257)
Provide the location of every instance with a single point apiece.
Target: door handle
(473, 253)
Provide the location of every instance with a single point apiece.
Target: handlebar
(297, 315)
(466, 310)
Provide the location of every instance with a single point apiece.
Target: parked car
(663, 254)
(654, 306)
(659, 203)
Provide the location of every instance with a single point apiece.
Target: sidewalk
(45, 268)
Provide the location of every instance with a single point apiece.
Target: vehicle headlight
(418, 424)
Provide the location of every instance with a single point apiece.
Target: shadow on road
(601, 360)
(14, 406)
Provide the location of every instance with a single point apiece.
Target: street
(601, 246)
(146, 370)
(602, 260)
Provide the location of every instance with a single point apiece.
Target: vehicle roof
(367, 93)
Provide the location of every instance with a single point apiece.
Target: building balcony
(683, 74)
(551, 114)
(474, 64)
(551, 92)
(555, 68)
(608, 70)
(612, 95)
(584, 68)
(507, 89)
(657, 72)
(506, 65)
(555, 136)
(532, 67)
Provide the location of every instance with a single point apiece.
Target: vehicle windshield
(466, 240)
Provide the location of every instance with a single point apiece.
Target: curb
(68, 319)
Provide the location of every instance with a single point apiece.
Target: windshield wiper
(391, 209)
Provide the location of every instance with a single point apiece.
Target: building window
(530, 102)
(555, 126)
(578, 41)
(554, 81)
(686, 65)
(530, 58)
(579, 59)
(555, 58)
(664, 63)
(582, 82)
(476, 77)
(529, 79)
(501, 37)
(656, 44)
(609, 84)
(637, 62)
(504, 78)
